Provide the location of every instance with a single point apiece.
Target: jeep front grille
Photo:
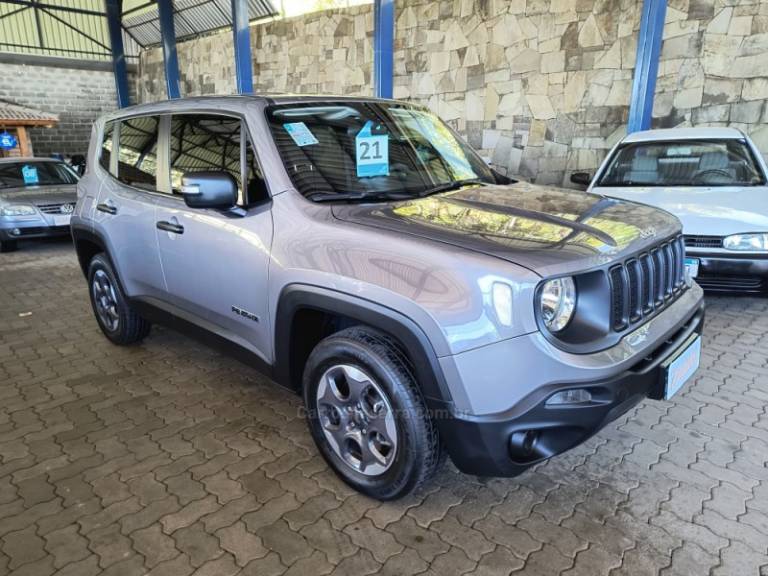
(643, 285)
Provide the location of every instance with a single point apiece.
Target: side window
(107, 144)
(209, 142)
(137, 158)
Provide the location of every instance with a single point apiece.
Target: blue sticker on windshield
(371, 153)
(30, 175)
(300, 134)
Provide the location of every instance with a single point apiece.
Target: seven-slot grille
(642, 285)
(692, 241)
(51, 208)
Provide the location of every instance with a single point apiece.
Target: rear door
(125, 210)
(216, 263)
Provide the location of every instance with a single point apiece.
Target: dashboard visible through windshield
(361, 150)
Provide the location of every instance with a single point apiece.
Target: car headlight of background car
(746, 242)
(557, 302)
(18, 210)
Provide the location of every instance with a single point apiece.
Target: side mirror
(209, 190)
(581, 178)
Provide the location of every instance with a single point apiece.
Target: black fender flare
(79, 234)
(413, 339)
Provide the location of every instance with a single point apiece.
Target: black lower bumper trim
(494, 446)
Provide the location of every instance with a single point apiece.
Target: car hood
(547, 230)
(39, 194)
(714, 211)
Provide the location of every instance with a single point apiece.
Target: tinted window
(203, 143)
(25, 174)
(360, 148)
(138, 152)
(107, 144)
(683, 163)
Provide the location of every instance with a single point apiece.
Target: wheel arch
(87, 245)
(296, 334)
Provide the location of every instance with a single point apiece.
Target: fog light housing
(566, 397)
(15, 232)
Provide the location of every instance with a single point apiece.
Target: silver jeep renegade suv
(362, 254)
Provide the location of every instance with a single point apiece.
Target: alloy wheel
(357, 419)
(105, 300)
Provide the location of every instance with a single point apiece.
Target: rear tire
(117, 319)
(9, 245)
(367, 415)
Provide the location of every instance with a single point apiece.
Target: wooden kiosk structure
(16, 120)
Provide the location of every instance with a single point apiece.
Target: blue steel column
(242, 38)
(383, 39)
(114, 23)
(646, 64)
(170, 59)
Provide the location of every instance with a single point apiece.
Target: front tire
(367, 416)
(117, 319)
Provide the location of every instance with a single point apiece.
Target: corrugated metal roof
(78, 28)
(12, 113)
(67, 28)
(191, 18)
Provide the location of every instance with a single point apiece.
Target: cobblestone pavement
(168, 458)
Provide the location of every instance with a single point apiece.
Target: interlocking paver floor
(169, 458)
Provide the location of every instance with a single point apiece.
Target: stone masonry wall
(77, 96)
(329, 52)
(541, 87)
(714, 67)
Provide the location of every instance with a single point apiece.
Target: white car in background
(714, 180)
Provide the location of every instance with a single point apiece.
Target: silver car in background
(715, 180)
(37, 199)
(360, 253)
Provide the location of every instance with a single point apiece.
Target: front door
(216, 263)
(125, 208)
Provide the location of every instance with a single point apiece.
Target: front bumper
(32, 228)
(719, 272)
(508, 443)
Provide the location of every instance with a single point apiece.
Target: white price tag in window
(371, 153)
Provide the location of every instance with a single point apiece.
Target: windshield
(683, 163)
(365, 149)
(24, 174)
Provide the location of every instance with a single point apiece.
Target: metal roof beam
(35, 4)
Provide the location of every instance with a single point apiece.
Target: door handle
(170, 227)
(108, 208)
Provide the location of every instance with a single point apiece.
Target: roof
(12, 114)
(702, 133)
(190, 18)
(198, 103)
(79, 29)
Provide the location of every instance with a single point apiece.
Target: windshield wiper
(448, 186)
(374, 196)
(359, 196)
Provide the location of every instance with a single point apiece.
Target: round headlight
(746, 242)
(557, 303)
